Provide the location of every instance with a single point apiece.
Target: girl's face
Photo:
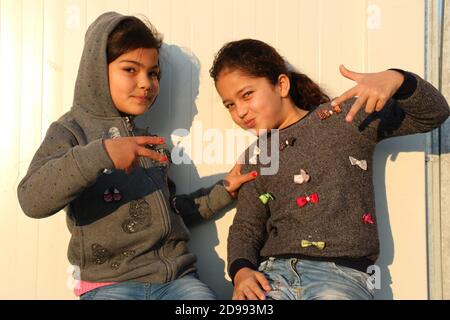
(133, 80)
(253, 102)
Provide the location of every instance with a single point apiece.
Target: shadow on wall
(174, 109)
(388, 150)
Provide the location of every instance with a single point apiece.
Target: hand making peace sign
(372, 89)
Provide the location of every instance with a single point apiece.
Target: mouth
(143, 99)
(250, 123)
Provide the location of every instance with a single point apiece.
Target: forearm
(52, 184)
(201, 204)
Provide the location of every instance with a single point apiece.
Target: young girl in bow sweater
(310, 231)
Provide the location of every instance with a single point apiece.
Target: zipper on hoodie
(166, 220)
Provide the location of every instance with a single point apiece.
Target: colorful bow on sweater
(302, 201)
(367, 219)
(325, 114)
(266, 197)
(286, 143)
(319, 244)
(360, 163)
(302, 177)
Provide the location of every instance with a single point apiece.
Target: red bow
(367, 219)
(302, 201)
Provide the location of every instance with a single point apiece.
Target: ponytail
(304, 92)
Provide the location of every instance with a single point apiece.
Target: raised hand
(372, 89)
(124, 151)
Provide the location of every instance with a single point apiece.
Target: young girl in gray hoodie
(128, 233)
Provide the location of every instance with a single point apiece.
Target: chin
(138, 110)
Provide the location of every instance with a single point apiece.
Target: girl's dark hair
(258, 59)
(132, 33)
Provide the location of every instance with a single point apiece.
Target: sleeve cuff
(408, 87)
(237, 265)
(223, 196)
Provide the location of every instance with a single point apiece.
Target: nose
(241, 110)
(144, 82)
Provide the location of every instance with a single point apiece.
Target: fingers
(237, 168)
(233, 181)
(143, 140)
(354, 76)
(371, 103)
(249, 292)
(253, 294)
(345, 96)
(251, 285)
(238, 180)
(380, 104)
(247, 177)
(238, 295)
(263, 281)
(355, 108)
(144, 152)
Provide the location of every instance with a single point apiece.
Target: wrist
(238, 265)
(398, 76)
(408, 86)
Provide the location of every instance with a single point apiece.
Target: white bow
(360, 163)
(302, 177)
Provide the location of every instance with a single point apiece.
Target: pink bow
(302, 201)
(367, 219)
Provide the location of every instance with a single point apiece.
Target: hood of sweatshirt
(92, 86)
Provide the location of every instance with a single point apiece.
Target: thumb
(237, 168)
(354, 76)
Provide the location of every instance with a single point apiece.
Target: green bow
(320, 244)
(266, 197)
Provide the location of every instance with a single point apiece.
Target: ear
(284, 85)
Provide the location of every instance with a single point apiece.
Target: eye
(229, 105)
(130, 70)
(247, 94)
(153, 74)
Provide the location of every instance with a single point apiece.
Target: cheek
(156, 87)
(117, 85)
(269, 107)
(261, 107)
(235, 117)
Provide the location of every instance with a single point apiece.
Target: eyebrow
(140, 64)
(237, 93)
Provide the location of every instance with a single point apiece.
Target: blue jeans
(295, 279)
(188, 287)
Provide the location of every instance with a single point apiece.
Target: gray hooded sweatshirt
(137, 238)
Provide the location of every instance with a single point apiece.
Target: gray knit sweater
(138, 237)
(332, 216)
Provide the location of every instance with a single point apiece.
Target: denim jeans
(188, 287)
(295, 279)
